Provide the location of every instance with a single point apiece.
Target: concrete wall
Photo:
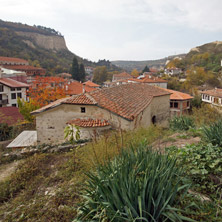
(50, 124)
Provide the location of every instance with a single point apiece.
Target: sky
(123, 29)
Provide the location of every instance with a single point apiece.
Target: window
(19, 89)
(14, 105)
(175, 105)
(83, 109)
(13, 96)
(12, 89)
(188, 103)
(1, 88)
(19, 95)
(171, 104)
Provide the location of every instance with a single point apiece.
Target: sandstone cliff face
(48, 42)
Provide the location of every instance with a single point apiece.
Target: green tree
(146, 69)
(75, 69)
(100, 74)
(25, 108)
(82, 72)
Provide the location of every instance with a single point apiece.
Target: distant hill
(208, 56)
(41, 46)
(139, 65)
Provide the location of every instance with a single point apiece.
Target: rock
(200, 196)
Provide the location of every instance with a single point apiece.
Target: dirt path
(7, 169)
(175, 140)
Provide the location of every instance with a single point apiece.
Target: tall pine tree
(82, 72)
(75, 69)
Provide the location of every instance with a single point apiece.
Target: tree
(100, 74)
(25, 108)
(146, 69)
(45, 90)
(75, 69)
(135, 73)
(82, 72)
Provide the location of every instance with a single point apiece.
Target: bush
(138, 185)
(213, 133)
(181, 123)
(202, 164)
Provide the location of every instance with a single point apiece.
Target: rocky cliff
(51, 42)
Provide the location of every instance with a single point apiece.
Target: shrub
(202, 163)
(138, 185)
(213, 133)
(181, 123)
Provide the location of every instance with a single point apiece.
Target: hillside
(41, 46)
(139, 65)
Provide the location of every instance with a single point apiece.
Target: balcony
(3, 101)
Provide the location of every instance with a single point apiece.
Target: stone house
(127, 107)
(121, 76)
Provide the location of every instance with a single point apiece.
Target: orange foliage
(46, 89)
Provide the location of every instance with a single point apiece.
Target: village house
(121, 76)
(213, 97)
(22, 65)
(127, 107)
(172, 71)
(76, 88)
(10, 90)
(91, 84)
(179, 102)
(150, 80)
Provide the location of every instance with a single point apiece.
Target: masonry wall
(50, 124)
(159, 109)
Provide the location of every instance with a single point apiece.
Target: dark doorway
(154, 120)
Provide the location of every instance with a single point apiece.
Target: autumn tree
(45, 90)
(135, 73)
(100, 74)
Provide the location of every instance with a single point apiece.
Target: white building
(214, 97)
(10, 90)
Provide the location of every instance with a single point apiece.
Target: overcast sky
(123, 29)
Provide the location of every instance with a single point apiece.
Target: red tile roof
(13, 83)
(123, 74)
(11, 59)
(176, 95)
(76, 88)
(10, 115)
(82, 99)
(126, 101)
(22, 67)
(90, 84)
(89, 122)
(149, 79)
(213, 92)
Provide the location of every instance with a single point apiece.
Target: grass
(47, 187)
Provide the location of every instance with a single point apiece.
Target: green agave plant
(138, 185)
(213, 133)
(181, 123)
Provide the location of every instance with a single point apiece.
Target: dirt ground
(7, 169)
(176, 139)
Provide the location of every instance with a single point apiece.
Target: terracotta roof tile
(213, 92)
(82, 99)
(76, 88)
(90, 84)
(10, 115)
(89, 122)
(13, 83)
(149, 79)
(123, 74)
(22, 67)
(11, 59)
(176, 95)
(126, 100)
